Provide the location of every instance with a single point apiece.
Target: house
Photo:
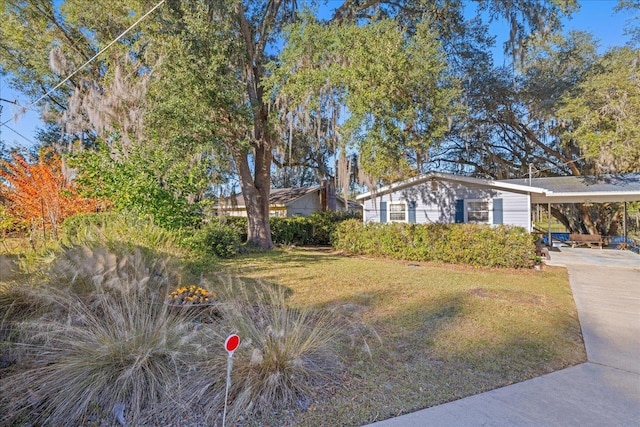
(295, 201)
(447, 198)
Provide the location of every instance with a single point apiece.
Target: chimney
(323, 195)
(331, 197)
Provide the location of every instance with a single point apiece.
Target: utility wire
(89, 61)
(101, 51)
(19, 134)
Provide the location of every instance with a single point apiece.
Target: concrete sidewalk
(605, 391)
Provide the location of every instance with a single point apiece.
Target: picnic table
(590, 240)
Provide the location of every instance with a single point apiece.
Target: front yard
(423, 334)
(407, 335)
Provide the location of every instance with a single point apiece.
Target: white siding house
(448, 198)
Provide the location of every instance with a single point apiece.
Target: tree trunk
(258, 228)
(255, 191)
(560, 216)
(585, 215)
(257, 186)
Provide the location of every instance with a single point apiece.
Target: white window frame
(489, 203)
(406, 212)
(277, 213)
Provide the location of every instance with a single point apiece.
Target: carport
(619, 188)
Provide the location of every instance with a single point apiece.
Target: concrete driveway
(609, 258)
(606, 288)
(604, 391)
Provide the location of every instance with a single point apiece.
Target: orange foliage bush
(39, 194)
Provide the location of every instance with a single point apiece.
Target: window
(478, 211)
(397, 212)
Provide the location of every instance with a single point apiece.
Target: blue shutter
(412, 211)
(383, 211)
(459, 211)
(497, 211)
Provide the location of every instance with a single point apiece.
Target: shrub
(324, 225)
(316, 229)
(291, 231)
(39, 193)
(116, 229)
(472, 244)
(131, 182)
(216, 238)
(238, 223)
(9, 223)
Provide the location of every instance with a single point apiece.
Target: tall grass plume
(115, 346)
(286, 354)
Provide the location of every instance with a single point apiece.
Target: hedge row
(222, 236)
(472, 244)
(316, 229)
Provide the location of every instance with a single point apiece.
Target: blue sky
(595, 16)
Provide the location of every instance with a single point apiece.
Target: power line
(101, 51)
(86, 63)
(19, 134)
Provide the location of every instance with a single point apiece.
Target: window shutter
(412, 211)
(497, 211)
(459, 211)
(383, 211)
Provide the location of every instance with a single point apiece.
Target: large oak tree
(195, 72)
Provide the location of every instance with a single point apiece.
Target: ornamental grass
(99, 338)
(286, 357)
(88, 354)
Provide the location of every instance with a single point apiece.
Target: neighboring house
(288, 202)
(447, 198)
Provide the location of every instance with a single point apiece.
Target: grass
(286, 353)
(93, 337)
(326, 339)
(424, 334)
(107, 343)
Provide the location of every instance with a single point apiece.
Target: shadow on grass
(435, 351)
(247, 264)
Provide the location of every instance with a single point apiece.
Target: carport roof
(563, 184)
(581, 189)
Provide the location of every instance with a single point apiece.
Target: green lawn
(418, 335)
(415, 334)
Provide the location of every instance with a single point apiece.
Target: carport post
(549, 223)
(624, 224)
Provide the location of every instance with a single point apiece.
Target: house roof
(568, 184)
(354, 206)
(500, 185)
(284, 197)
(581, 189)
(277, 196)
(568, 189)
